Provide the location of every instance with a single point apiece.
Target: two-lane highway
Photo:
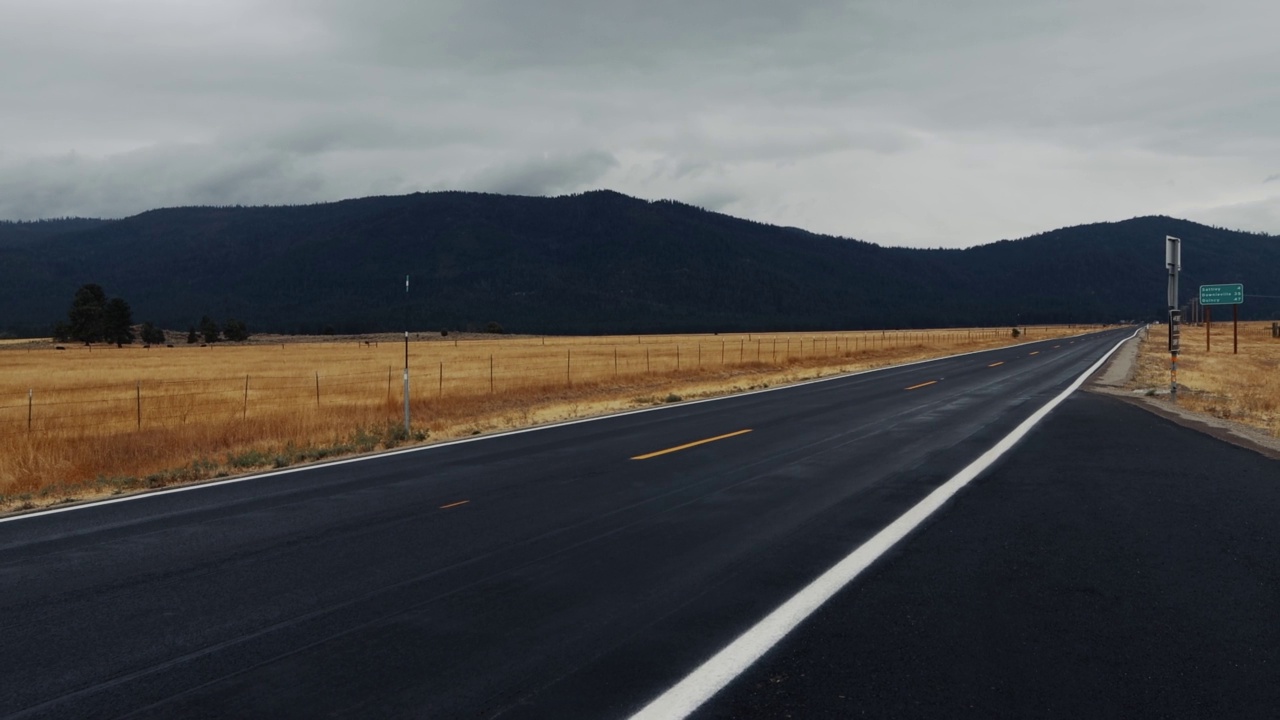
(575, 570)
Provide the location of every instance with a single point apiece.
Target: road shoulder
(1113, 378)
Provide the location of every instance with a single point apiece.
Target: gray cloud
(545, 175)
(901, 121)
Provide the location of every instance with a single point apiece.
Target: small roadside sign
(1230, 294)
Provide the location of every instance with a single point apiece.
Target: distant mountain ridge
(592, 263)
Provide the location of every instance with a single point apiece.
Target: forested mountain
(13, 234)
(592, 263)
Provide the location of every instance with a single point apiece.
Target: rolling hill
(592, 263)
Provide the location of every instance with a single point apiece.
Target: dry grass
(104, 420)
(1243, 387)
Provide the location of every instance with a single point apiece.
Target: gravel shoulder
(1115, 379)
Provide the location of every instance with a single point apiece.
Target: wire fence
(438, 371)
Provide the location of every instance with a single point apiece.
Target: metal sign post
(1173, 263)
(1229, 294)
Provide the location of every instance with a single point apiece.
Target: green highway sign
(1231, 294)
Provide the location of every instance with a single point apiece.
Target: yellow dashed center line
(686, 446)
(1034, 353)
(453, 505)
(925, 384)
(996, 364)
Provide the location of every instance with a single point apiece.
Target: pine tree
(85, 318)
(234, 330)
(209, 329)
(151, 334)
(117, 322)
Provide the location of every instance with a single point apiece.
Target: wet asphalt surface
(1114, 565)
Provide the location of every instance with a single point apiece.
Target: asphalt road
(1115, 565)
(536, 574)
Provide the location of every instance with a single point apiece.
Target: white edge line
(460, 441)
(709, 678)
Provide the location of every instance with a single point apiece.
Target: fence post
(490, 373)
(646, 362)
(441, 391)
(244, 413)
(138, 397)
(615, 362)
(568, 362)
(317, 387)
(677, 358)
(30, 394)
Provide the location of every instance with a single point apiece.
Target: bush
(250, 459)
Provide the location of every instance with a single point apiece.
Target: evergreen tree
(85, 318)
(192, 337)
(117, 322)
(209, 329)
(151, 334)
(234, 330)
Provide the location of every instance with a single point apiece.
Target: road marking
(1034, 353)
(710, 677)
(146, 495)
(686, 446)
(996, 364)
(1055, 347)
(452, 505)
(917, 387)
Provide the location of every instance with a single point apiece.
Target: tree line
(94, 318)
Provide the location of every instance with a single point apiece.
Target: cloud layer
(917, 122)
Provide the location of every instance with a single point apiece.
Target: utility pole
(1173, 263)
(406, 355)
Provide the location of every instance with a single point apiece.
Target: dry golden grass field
(1243, 387)
(80, 421)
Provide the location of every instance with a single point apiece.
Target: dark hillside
(592, 263)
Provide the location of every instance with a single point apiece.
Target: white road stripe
(708, 679)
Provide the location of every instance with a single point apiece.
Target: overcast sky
(903, 122)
